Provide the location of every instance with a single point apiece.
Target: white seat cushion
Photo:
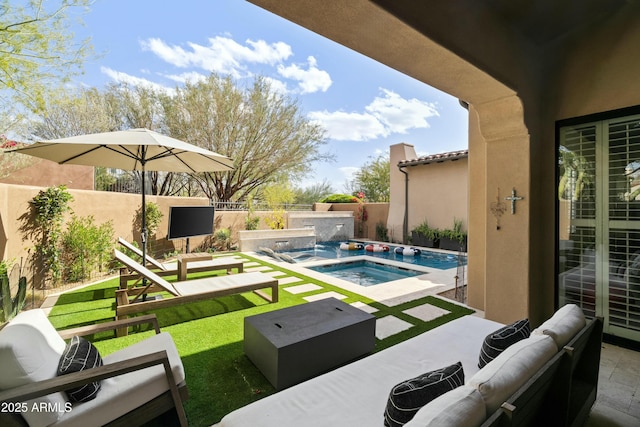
(124, 393)
(461, 407)
(30, 350)
(563, 325)
(500, 378)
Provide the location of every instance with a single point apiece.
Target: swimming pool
(331, 250)
(365, 273)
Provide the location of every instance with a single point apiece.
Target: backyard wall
(121, 208)
(438, 192)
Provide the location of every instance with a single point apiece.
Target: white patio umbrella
(134, 149)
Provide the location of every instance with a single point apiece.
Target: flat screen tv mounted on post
(190, 221)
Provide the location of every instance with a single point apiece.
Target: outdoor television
(190, 221)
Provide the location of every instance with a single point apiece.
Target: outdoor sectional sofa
(549, 378)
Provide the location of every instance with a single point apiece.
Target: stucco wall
(42, 172)
(438, 192)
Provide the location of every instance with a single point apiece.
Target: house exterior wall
(437, 192)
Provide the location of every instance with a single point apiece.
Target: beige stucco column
(499, 251)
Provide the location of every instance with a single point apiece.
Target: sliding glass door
(599, 221)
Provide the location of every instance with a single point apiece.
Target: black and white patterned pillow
(498, 341)
(409, 396)
(79, 355)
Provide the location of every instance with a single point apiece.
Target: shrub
(456, 232)
(86, 248)
(428, 232)
(275, 220)
(48, 208)
(223, 237)
(251, 222)
(382, 232)
(10, 306)
(340, 198)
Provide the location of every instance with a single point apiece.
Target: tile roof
(435, 158)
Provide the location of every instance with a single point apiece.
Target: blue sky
(364, 106)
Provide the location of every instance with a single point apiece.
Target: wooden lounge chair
(187, 291)
(179, 268)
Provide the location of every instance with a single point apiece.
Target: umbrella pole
(143, 236)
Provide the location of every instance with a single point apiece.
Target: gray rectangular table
(297, 343)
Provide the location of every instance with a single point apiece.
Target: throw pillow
(409, 396)
(498, 341)
(79, 355)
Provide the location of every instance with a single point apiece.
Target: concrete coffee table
(297, 343)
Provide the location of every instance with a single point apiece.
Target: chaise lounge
(177, 268)
(187, 291)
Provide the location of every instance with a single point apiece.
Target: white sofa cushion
(511, 369)
(30, 349)
(124, 393)
(461, 407)
(563, 325)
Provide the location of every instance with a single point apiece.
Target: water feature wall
(328, 226)
(253, 240)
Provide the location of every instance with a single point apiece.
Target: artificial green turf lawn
(209, 336)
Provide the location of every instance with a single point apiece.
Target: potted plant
(454, 239)
(425, 236)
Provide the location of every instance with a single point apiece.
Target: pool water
(331, 250)
(365, 273)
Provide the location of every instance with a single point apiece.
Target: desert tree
(37, 51)
(263, 131)
(373, 179)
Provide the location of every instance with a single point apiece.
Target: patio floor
(618, 400)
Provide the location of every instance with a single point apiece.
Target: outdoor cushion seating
(536, 381)
(137, 383)
(171, 268)
(189, 290)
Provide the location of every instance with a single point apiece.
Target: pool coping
(432, 282)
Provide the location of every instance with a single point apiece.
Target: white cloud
(386, 114)
(399, 114)
(222, 55)
(191, 77)
(343, 126)
(310, 80)
(277, 85)
(120, 77)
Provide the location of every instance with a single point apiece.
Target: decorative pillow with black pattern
(79, 355)
(406, 398)
(498, 341)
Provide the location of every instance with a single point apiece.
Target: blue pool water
(365, 273)
(331, 250)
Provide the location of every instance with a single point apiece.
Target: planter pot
(453, 244)
(418, 239)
